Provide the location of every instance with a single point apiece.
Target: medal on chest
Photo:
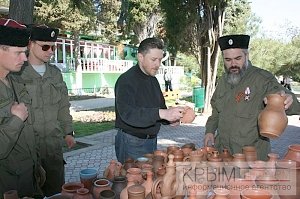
(243, 94)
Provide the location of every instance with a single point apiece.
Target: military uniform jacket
(236, 109)
(17, 142)
(50, 103)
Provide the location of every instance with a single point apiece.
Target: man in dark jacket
(18, 155)
(50, 102)
(140, 105)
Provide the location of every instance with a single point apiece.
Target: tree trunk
(77, 55)
(21, 11)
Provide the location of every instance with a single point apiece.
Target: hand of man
(209, 138)
(176, 123)
(172, 114)
(19, 110)
(287, 102)
(70, 141)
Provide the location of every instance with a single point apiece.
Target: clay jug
(100, 185)
(87, 177)
(11, 194)
(188, 115)
(273, 120)
(136, 192)
(124, 192)
(113, 169)
(119, 184)
(168, 185)
(69, 189)
(148, 183)
(158, 161)
(83, 193)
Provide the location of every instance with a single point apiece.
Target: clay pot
(158, 161)
(255, 193)
(83, 193)
(100, 185)
(136, 192)
(288, 175)
(87, 177)
(226, 156)
(189, 145)
(172, 148)
(273, 120)
(118, 185)
(250, 153)
(195, 156)
(11, 194)
(69, 189)
(136, 173)
(107, 194)
(293, 153)
(124, 192)
(188, 115)
(221, 193)
(236, 185)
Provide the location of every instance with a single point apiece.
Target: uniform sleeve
(212, 122)
(129, 112)
(273, 86)
(10, 129)
(64, 116)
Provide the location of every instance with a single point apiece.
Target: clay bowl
(255, 193)
(188, 115)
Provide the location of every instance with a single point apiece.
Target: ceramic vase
(136, 192)
(119, 184)
(100, 185)
(273, 120)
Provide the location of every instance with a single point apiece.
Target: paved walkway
(102, 150)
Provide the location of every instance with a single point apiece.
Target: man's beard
(235, 78)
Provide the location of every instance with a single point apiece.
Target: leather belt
(140, 135)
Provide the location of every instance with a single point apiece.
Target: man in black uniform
(140, 105)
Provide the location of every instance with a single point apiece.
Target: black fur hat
(13, 33)
(43, 33)
(234, 41)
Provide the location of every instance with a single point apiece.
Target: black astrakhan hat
(13, 33)
(43, 33)
(234, 41)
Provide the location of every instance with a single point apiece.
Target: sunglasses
(47, 47)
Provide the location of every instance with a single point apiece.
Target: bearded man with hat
(239, 98)
(18, 154)
(52, 120)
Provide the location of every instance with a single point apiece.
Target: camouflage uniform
(50, 103)
(18, 154)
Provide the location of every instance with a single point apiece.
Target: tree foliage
(62, 14)
(139, 19)
(108, 12)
